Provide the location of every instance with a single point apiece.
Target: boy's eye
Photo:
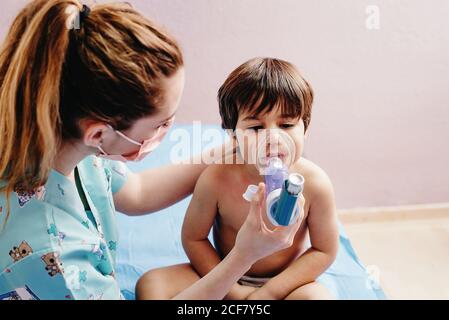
(255, 128)
(287, 125)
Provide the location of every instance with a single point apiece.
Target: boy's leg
(311, 291)
(165, 283)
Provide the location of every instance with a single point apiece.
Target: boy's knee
(152, 286)
(311, 291)
(320, 292)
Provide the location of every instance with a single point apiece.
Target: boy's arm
(198, 222)
(323, 230)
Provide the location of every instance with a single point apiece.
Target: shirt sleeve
(77, 273)
(119, 172)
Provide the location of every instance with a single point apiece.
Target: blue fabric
(153, 241)
(52, 247)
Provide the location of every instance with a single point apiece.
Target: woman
(80, 89)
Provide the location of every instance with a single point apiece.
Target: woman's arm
(254, 241)
(217, 283)
(155, 189)
(198, 222)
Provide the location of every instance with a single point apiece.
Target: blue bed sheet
(154, 240)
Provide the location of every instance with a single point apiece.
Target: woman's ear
(93, 132)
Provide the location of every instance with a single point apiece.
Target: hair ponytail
(31, 63)
(108, 68)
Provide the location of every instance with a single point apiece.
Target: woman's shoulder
(96, 162)
(24, 205)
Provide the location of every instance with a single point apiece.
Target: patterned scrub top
(54, 245)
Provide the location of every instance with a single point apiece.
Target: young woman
(81, 88)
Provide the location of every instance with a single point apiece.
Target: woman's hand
(255, 240)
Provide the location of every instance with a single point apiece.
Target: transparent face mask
(265, 145)
(273, 152)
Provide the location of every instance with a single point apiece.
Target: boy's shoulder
(317, 181)
(213, 171)
(214, 176)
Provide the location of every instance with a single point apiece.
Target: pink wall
(380, 124)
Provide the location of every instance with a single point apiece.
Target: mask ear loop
(102, 152)
(124, 136)
(133, 141)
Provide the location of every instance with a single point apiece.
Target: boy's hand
(240, 292)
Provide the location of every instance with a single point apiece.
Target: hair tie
(84, 13)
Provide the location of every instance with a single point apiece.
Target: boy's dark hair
(261, 84)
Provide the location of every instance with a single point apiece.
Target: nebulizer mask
(275, 153)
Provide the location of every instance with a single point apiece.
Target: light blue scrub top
(52, 247)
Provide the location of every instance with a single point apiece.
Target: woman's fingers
(265, 228)
(255, 229)
(288, 233)
(256, 206)
(262, 208)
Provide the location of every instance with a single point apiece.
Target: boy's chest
(232, 208)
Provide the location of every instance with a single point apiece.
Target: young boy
(262, 93)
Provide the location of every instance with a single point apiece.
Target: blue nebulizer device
(281, 193)
(274, 154)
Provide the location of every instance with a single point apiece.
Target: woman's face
(144, 128)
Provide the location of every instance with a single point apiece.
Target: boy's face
(273, 134)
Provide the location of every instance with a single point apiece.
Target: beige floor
(407, 247)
